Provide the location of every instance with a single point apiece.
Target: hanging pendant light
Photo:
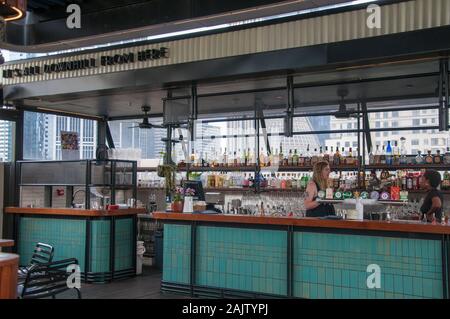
(11, 10)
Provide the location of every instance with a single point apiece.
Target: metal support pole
(443, 95)
(289, 118)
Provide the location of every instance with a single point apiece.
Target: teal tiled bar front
(105, 246)
(221, 258)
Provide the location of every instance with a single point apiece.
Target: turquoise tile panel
(124, 254)
(334, 266)
(176, 254)
(100, 245)
(67, 236)
(243, 259)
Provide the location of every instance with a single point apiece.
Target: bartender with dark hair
(434, 201)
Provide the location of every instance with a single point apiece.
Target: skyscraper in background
(6, 133)
(126, 135)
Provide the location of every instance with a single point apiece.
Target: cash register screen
(197, 187)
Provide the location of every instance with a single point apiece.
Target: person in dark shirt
(321, 172)
(434, 201)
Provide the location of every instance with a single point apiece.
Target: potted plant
(177, 204)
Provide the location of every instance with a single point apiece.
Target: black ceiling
(104, 21)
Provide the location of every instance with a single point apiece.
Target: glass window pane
(147, 142)
(42, 135)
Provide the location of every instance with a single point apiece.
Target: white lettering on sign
(374, 279)
(374, 18)
(74, 19)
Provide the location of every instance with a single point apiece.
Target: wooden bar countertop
(394, 226)
(73, 211)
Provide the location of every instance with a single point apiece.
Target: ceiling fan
(145, 124)
(343, 113)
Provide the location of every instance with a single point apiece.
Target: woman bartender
(321, 172)
(433, 202)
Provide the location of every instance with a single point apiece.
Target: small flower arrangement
(180, 192)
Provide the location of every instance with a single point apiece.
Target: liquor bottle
(236, 159)
(403, 157)
(283, 182)
(192, 160)
(307, 157)
(446, 181)
(429, 158)
(205, 162)
(326, 155)
(447, 156)
(389, 153)
(286, 160)
(225, 157)
(251, 157)
(437, 159)
(337, 157)
(295, 158)
(320, 154)
(383, 156)
(409, 182)
(261, 158)
(350, 159)
(290, 159)
(377, 156)
(343, 157)
(270, 159)
(314, 157)
(230, 159)
(276, 158)
(266, 158)
(396, 151)
(371, 157)
(419, 158)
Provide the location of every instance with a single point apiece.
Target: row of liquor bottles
(394, 155)
(387, 155)
(404, 179)
(338, 156)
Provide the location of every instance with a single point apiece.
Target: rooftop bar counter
(103, 242)
(256, 256)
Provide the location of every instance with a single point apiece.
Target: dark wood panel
(396, 226)
(74, 211)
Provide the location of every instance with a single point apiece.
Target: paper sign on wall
(69, 146)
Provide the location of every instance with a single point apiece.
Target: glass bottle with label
(290, 158)
(447, 156)
(396, 154)
(429, 158)
(403, 152)
(383, 156)
(337, 157)
(437, 158)
(295, 158)
(377, 156)
(389, 153)
(371, 157)
(419, 158)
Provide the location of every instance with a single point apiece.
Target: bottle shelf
(409, 166)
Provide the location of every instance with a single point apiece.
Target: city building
(416, 139)
(6, 146)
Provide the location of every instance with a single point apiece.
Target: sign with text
(104, 60)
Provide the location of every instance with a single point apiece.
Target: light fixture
(11, 10)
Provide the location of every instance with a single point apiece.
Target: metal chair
(47, 280)
(43, 253)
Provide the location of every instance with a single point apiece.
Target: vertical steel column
(443, 95)
(289, 119)
(257, 162)
(193, 253)
(290, 260)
